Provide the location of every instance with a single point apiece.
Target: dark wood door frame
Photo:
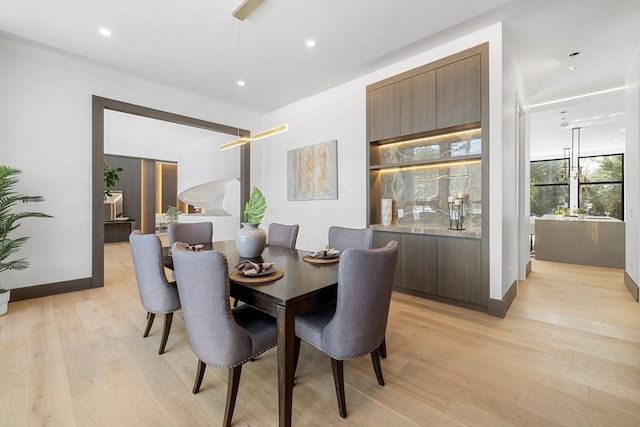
(99, 105)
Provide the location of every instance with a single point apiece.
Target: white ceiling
(197, 45)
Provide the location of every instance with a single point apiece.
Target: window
(601, 185)
(549, 186)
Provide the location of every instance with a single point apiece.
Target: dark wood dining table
(304, 287)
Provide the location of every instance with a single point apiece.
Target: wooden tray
(240, 278)
(312, 260)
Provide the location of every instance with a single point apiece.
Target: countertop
(425, 229)
(575, 218)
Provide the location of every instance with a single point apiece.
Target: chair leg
(235, 302)
(199, 375)
(338, 380)
(375, 358)
(383, 348)
(232, 393)
(168, 318)
(150, 317)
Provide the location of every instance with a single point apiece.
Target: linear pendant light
(246, 8)
(260, 135)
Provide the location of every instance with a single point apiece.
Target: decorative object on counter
(559, 212)
(580, 213)
(9, 221)
(386, 209)
(457, 211)
(251, 239)
(111, 178)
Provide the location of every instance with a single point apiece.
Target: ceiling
(198, 46)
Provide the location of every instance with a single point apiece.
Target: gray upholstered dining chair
(283, 235)
(342, 238)
(219, 336)
(157, 295)
(355, 326)
(190, 232)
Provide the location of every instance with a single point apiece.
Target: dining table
(304, 286)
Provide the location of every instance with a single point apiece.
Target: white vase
(250, 240)
(386, 209)
(4, 302)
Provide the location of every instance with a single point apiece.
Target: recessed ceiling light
(105, 32)
(240, 82)
(311, 43)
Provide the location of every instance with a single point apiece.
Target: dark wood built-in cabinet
(384, 112)
(428, 131)
(418, 103)
(458, 98)
(448, 267)
(459, 269)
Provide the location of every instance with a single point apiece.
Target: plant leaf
(256, 207)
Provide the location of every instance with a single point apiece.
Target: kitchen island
(597, 241)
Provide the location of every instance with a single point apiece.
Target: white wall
(632, 174)
(340, 113)
(515, 221)
(135, 136)
(45, 130)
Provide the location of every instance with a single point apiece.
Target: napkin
(326, 252)
(250, 268)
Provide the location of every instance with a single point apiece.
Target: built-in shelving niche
(420, 175)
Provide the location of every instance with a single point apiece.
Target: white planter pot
(250, 240)
(4, 302)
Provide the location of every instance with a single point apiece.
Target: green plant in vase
(111, 178)
(251, 239)
(171, 214)
(10, 221)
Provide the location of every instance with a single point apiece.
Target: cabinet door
(418, 103)
(418, 263)
(384, 112)
(459, 98)
(459, 269)
(380, 239)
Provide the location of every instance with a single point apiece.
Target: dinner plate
(327, 256)
(270, 270)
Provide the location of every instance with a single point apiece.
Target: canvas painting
(312, 172)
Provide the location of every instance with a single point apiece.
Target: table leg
(286, 338)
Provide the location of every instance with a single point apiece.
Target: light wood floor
(568, 353)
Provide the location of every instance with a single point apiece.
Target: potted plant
(171, 214)
(111, 178)
(581, 213)
(251, 239)
(559, 212)
(9, 221)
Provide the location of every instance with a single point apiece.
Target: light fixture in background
(246, 8)
(573, 154)
(241, 13)
(260, 135)
(105, 32)
(311, 43)
(563, 119)
(572, 65)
